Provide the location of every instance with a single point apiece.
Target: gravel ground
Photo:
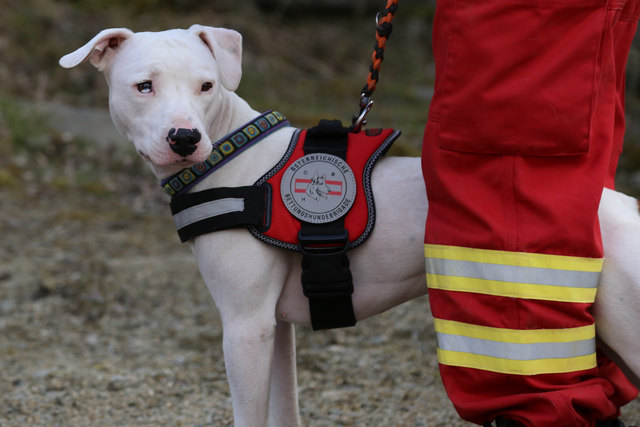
(104, 321)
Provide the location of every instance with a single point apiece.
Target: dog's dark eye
(145, 87)
(206, 86)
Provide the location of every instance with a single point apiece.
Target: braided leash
(383, 31)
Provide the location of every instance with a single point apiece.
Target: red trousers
(524, 130)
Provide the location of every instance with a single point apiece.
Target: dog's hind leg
(618, 298)
(283, 403)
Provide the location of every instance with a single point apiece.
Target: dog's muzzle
(183, 141)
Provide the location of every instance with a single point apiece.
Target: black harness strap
(221, 208)
(326, 277)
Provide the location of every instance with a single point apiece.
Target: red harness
(317, 200)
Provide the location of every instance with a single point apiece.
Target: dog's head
(318, 188)
(166, 89)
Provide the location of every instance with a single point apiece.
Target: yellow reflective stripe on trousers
(512, 274)
(513, 351)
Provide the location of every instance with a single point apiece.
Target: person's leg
(512, 239)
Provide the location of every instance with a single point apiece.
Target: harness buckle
(323, 244)
(325, 266)
(326, 276)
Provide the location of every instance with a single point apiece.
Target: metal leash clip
(365, 106)
(383, 31)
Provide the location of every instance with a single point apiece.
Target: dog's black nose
(183, 141)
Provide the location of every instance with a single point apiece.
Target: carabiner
(365, 107)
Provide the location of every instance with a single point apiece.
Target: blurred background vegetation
(306, 58)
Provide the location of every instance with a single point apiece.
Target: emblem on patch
(318, 188)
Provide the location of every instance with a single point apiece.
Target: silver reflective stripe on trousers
(516, 351)
(512, 273)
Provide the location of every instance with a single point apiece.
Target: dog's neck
(234, 112)
(257, 160)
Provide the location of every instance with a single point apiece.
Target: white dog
(185, 80)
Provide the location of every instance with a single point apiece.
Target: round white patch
(318, 188)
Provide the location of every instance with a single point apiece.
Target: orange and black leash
(384, 28)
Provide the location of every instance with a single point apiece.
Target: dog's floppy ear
(226, 47)
(99, 50)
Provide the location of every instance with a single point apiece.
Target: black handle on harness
(326, 277)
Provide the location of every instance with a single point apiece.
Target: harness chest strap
(217, 209)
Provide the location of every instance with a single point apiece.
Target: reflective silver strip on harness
(217, 209)
(207, 210)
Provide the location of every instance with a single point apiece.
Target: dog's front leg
(248, 355)
(245, 278)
